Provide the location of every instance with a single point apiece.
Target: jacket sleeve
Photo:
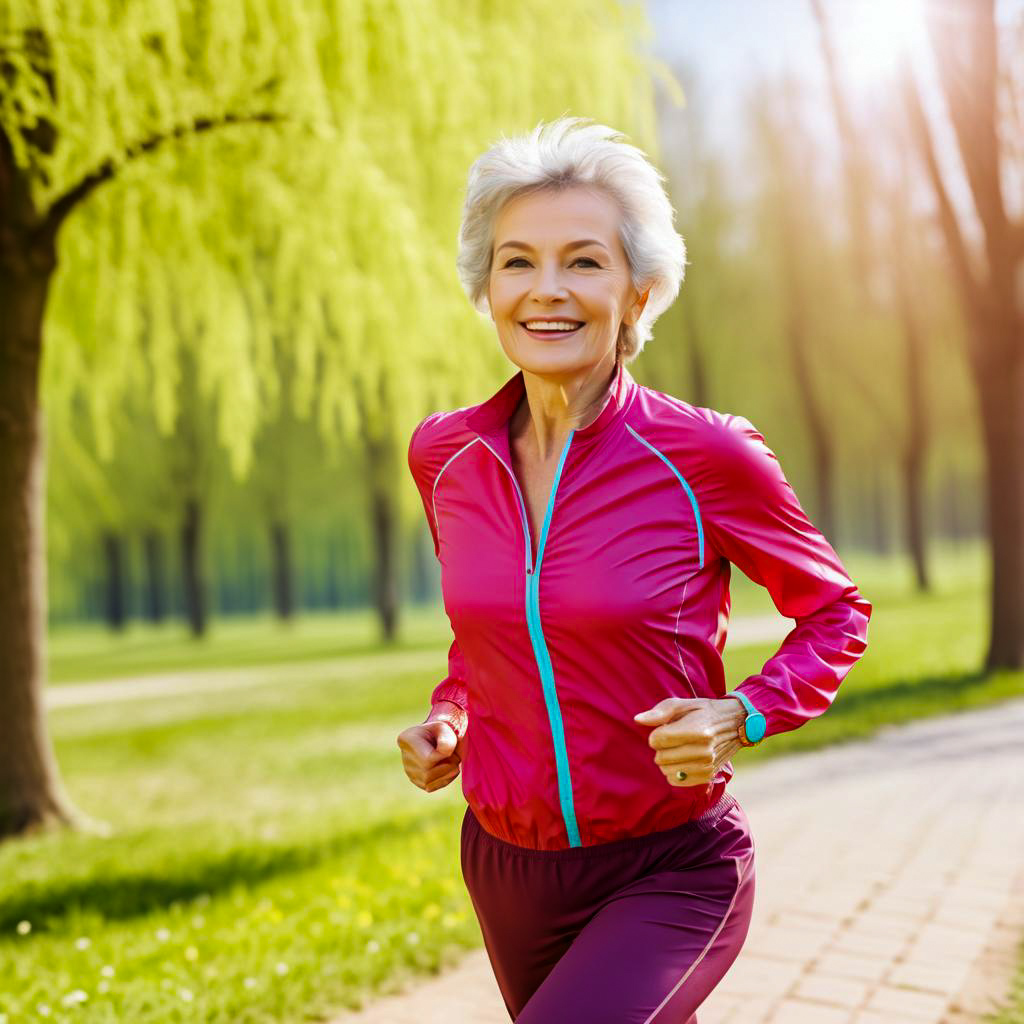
(752, 517)
(448, 700)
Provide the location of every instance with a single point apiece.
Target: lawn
(269, 861)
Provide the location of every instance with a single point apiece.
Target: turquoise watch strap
(754, 725)
(751, 710)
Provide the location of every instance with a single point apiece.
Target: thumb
(444, 738)
(664, 711)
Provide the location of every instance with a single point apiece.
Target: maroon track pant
(632, 931)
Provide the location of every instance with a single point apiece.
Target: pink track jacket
(622, 600)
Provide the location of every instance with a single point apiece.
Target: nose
(547, 284)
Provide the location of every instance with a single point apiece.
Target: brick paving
(890, 886)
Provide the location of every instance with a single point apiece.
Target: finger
(685, 732)
(436, 771)
(440, 783)
(696, 755)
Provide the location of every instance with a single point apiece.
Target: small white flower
(412, 938)
(24, 927)
(198, 921)
(186, 995)
(103, 986)
(107, 971)
(281, 968)
(83, 943)
(75, 997)
(249, 983)
(165, 983)
(373, 946)
(191, 953)
(44, 1010)
(162, 934)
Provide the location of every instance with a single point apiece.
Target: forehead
(555, 217)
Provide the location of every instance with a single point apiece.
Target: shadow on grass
(121, 896)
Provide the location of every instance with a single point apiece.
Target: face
(540, 270)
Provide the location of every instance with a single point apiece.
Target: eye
(517, 259)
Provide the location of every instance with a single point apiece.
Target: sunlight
(871, 36)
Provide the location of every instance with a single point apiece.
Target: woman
(585, 526)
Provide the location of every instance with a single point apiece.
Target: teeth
(551, 325)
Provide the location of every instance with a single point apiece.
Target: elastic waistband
(702, 823)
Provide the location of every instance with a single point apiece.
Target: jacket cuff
(448, 711)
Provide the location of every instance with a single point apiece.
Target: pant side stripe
(703, 952)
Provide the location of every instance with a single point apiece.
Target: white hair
(567, 152)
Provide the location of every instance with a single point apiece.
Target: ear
(637, 308)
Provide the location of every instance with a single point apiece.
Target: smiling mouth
(552, 333)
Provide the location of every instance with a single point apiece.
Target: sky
(728, 44)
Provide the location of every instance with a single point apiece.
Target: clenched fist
(431, 753)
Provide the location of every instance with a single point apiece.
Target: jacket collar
(490, 418)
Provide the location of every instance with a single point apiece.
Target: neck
(552, 406)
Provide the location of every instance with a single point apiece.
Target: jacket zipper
(540, 647)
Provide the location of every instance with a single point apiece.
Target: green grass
(1012, 1009)
(94, 652)
(268, 859)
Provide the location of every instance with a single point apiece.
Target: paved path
(890, 886)
(755, 629)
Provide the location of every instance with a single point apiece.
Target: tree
(883, 271)
(974, 74)
(151, 146)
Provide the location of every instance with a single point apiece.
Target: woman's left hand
(695, 734)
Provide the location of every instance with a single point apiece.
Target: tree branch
(60, 209)
(969, 286)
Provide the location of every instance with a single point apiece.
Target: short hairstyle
(567, 152)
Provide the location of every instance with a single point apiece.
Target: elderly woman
(585, 525)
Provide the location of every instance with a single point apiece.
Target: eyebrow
(572, 245)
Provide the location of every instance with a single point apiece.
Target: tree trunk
(32, 795)
(954, 527)
(385, 589)
(332, 593)
(381, 482)
(879, 517)
(113, 556)
(967, 56)
(281, 561)
(915, 452)
(153, 559)
(699, 391)
(1002, 411)
(191, 567)
(818, 431)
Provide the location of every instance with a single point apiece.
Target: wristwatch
(754, 726)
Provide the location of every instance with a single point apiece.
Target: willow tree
(149, 150)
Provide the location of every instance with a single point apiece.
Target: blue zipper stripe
(547, 675)
(686, 487)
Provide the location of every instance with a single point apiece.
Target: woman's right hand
(431, 754)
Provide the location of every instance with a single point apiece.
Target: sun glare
(872, 35)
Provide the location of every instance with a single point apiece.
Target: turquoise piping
(543, 658)
(686, 487)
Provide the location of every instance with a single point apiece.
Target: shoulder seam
(686, 487)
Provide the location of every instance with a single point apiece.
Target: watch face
(756, 727)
